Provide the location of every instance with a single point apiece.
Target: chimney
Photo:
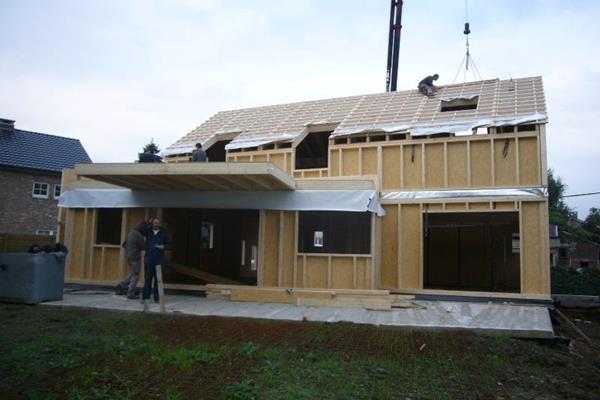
(7, 126)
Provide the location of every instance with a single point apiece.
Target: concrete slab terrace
(531, 321)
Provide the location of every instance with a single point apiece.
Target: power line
(582, 194)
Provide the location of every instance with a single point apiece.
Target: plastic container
(31, 278)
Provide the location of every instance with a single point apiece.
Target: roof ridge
(47, 134)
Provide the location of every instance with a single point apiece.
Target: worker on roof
(426, 85)
(199, 155)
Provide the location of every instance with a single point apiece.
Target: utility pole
(391, 78)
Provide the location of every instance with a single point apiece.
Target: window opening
(526, 128)
(334, 232)
(312, 152)
(108, 226)
(216, 152)
(459, 104)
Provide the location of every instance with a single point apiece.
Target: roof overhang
(220, 176)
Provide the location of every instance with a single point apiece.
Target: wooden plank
(543, 155)
(295, 249)
(350, 165)
(341, 272)
(280, 251)
(389, 256)
(505, 166)
(288, 248)
(412, 166)
(435, 171)
(481, 169)
(316, 272)
(391, 168)
(124, 216)
(411, 239)
(529, 162)
(457, 165)
(90, 265)
(335, 167)
(369, 161)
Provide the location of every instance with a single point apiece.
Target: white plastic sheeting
(364, 129)
(462, 126)
(298, 200)
(258, 141)
(460, 97)
(465, 193)
(178, 150)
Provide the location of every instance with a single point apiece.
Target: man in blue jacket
(157, 241)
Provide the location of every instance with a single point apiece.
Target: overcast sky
(116, 73)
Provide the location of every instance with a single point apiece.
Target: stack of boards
(367, 299)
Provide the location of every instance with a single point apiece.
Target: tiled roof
(497, 99)
(40, 151)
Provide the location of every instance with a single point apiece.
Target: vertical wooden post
(161, 291)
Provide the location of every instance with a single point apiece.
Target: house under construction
(388, 193)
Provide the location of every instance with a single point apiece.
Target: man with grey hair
(134, 245)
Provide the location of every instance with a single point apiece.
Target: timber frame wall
(393, 163)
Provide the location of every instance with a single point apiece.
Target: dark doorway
(472, 251)
(213, 246)
(216, 152)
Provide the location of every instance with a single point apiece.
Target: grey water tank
(31, 278)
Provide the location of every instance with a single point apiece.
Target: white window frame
(39, 195)
(59, 187)
(45, 232)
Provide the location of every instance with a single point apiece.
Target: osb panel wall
(281, 158)
(401, 260)
(460, 162)
(334, 271)
(534, 248)
(411, 240)
(389, 248)
(97, 263)
(270, 248)
(287, 223)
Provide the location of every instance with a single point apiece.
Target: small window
(45, 232)
(40, 190)
(108, 226)
(57, 191)
(343, 140)
(206, 235)
(358, 139)
(398, 136)
(334, 232)
(312, 152)
(269, 146)
(285, 145)
(378, 138)
(505, 129)
(459, 104)
(562, 252)
(526, 128)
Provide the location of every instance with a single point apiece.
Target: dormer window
(459, 104)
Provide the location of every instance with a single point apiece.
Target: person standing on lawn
(134, 245)
(157, 241)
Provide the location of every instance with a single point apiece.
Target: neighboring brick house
(575, 252)
(31, 165)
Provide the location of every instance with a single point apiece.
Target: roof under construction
(495, 102)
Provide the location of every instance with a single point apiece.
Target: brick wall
(20, 212)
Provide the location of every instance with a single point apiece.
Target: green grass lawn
(67, 353)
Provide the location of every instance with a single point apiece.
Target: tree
(556, 191)
(151, 148)
(592, 221)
